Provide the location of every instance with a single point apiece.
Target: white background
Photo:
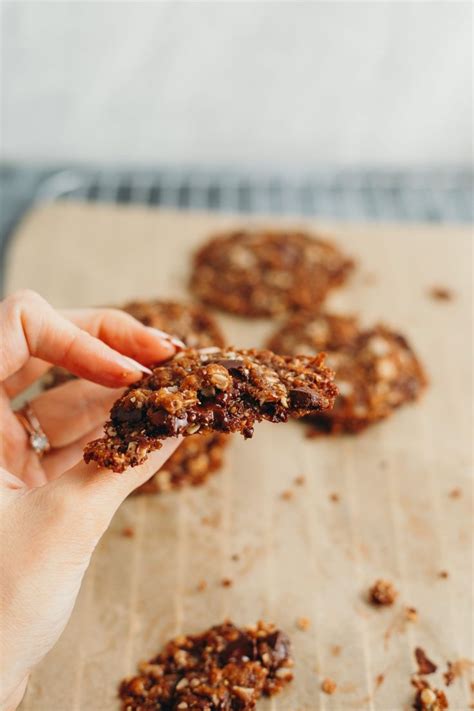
(255, 83)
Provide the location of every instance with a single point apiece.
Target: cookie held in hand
(210, 390)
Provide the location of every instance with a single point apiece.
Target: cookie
(377, 371)
(225, 668)
(191, 323)
(195, 460)
(267, 272)
(218, 390)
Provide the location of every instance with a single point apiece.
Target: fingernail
(168, 337)
(131, 364)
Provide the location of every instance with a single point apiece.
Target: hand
(54, 510)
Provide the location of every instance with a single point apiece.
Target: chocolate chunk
(223, 669)
(303, 397)
(425, 665)
(233, 365)
(243, 646)
(280, 644)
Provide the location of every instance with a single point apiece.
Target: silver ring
(39, 441)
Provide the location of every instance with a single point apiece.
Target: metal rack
(437, 196)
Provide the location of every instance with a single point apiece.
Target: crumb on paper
(455, 493)
(427, 698)
(128, 532)
(235, 557)
(286, 495)
(226, 582)
(379, 680)
(303, 623)
(443, 574)
(334, 497)
(336, 650)
(456, 669)
(425, 665)
(328, 685)
(300, 480)
(201, 586)
(411, 614)
(441, 293)
(382, 593)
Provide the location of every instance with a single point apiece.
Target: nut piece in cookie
(224, 668)
(210, 390)
(377, 371)
(266, 272)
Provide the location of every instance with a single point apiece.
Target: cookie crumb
(235, 557)
(455, 493)
(428, 699)
(334, 497)
(336, 650)
(300, 480)
(128, 532)
(425, 665)
(411, 614)
(201, 586)
(329, 686)
(382, 593)
(226, 582)
(441, 293)
(379, 680)
(443, 574)
(303, 623)
(286, 495)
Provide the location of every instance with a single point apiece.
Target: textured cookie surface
(189, 322)
(219, 390)
(267, 272)
(376, 369)
(225, 668)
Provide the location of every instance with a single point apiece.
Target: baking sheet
(304, 557)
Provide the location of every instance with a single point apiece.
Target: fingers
(31, 327)
(69, 411)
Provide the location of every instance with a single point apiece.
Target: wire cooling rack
(361, 195)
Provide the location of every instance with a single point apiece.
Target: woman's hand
(54, 510)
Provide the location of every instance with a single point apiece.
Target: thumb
(95, 493)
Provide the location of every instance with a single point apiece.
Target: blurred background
(353, 110)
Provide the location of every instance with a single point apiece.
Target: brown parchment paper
(308, 556)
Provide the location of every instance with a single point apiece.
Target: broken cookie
(210, 390)
(377, 371)
(225, 668)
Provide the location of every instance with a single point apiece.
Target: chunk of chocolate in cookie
(266, 272)
(210, 390)
(377, 371)
(225, 668)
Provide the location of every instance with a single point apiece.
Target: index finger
(31, 327)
